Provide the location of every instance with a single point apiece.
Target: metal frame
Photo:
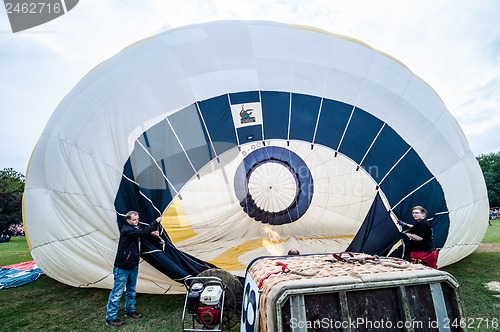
(298, 305)
(205, 280)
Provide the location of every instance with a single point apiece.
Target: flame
(272, 243)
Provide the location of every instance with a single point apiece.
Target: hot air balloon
(249, 138)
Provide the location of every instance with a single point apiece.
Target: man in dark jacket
(421, 241)
(126, 268)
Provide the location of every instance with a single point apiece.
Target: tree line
(490, 165)
(11, 198)
(12, 188)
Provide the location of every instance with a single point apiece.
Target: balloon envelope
(249, 138)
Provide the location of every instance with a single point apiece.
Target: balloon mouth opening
(280, 190)
(274, 185)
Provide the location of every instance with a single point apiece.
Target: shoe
(115, 322)
(134, 315)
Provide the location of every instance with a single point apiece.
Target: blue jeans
(123, 278)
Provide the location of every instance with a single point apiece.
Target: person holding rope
(422, 249)
(126, 267)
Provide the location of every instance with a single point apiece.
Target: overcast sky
(453, 45)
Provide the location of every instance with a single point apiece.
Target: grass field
(47, 305)
(477, 270)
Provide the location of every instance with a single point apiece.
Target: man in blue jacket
(126, 267)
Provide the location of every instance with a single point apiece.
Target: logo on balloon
(246, 115)
(25, 14)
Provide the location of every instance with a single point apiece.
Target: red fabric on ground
(21, 266)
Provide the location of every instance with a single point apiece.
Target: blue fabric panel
(129, 194)
(219, 121)
(12, 277)
(440, 229)
(191, 132)
(166, 151)
(144, 171)
(409, 174)
(249, 134)
(378, 233)
(332, 122)
(360, 133)
(244, 97)
(275, 109)
(384, 153)
(304, 116)
(431, 197)
(171, 261)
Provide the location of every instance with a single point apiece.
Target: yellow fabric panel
(176, 223)
(229, 259)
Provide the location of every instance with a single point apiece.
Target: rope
(343, 257)
(363, 259)
(284, 269)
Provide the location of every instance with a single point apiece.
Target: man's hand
(158, 220)
(155, 233)
(403, 224)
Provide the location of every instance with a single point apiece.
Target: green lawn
(14, 251)
(473, 273)
(47, 305)
(493, 233)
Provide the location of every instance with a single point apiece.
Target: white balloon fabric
(249, 138)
